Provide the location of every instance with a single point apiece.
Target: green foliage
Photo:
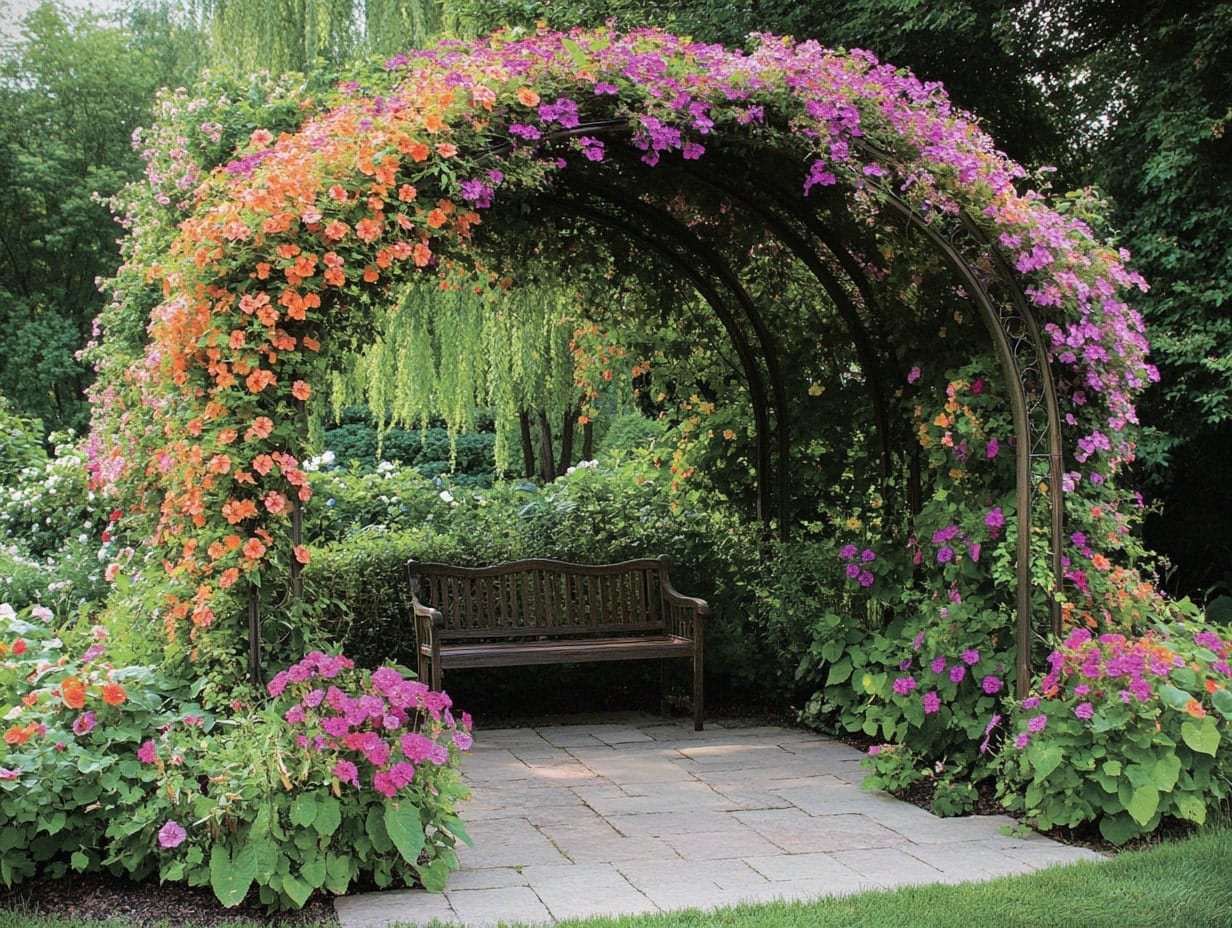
(21, 444)
(113, 767)
(1126, 732)
(72, 88)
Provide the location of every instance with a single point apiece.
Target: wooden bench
(552, 612)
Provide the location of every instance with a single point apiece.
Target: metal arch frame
(744, 350)
(1023, 359)
(674, 231)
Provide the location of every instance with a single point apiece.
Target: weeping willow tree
(293, 35)
(452, 353)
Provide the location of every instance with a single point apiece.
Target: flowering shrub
(69, 724)
(1125, 731)
(347, 776)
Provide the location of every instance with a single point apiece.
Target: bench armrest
(686, 614)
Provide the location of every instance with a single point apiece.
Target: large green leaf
(229, 881)
(1191, 808)
(405, 829)
(1202, 736)
(1143, 804)
(329, 816)
(1044, 758)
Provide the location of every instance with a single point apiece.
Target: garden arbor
(790, 190)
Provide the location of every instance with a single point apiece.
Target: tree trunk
(566, 443)
(547, 458)
(528, 444)
(588, 441)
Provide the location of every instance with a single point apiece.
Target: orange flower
(301, 554)
(407, 193)
(113, 694)
(259, 379)
(260, 428)
(20, 735)
(1194, 708)
(437, 218)
(369, 230)
(229, 577)
(527, 97)
(73, 692)
(254, 549)
(236, 511)
(301, 390)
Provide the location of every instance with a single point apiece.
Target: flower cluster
(856, 564)
(376, 737)
(1088, 671)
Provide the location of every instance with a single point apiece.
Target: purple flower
(171, 835)
(853, 571)
(865, 579)
(1084, 710)
(1037, 723)
(847, 552)
(1030, 702)
(945, 555)
(938, 664)
(957, 673)
(992, 448)
(971, 657)
(1022, 741)
(904, 685)
(932, 702)
(943, 536)
(83, 724)
(991, 685)
(995, 520)
(868, 555)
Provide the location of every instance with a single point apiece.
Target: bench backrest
(543, 597)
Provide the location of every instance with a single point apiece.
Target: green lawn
(1184, 884)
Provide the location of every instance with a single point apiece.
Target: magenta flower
(171, 835)
(971, 657)
(938, 664)
(932, 702)
(904, 685)
(958, 673)
(148, 752)
(991, 685)
(1084, 710)
(1037, 723)
(346, 772)
(1022, 740)
(83, 724)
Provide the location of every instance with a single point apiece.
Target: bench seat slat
(564, 652)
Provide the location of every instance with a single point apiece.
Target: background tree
(73, 88)
(298, 35)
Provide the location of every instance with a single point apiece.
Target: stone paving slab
(638, 814)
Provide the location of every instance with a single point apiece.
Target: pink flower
(932, 702)
(347, 772)
(148, 752)
(83, 724)
(171, 835)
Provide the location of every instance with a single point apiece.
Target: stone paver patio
(636, 814)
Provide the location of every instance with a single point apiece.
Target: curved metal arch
(744, 350)
(714, 262)
(1020, 356)
(869, 362)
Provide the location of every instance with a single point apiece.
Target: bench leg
(698, 706)
(664, 708)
